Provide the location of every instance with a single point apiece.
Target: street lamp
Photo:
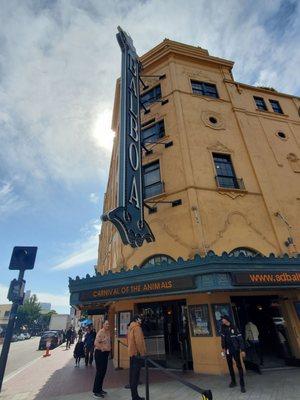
(22, 258)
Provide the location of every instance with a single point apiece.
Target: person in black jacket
(232, 348)
(79, 352)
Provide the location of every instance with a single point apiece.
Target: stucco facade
(261, 213)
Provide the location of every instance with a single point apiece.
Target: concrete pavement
(21, 353)
(55, 378)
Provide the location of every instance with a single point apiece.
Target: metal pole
(147, 379)
(8, 335)
(118, 367)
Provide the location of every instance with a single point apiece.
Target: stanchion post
(147, 379)
(118, 367)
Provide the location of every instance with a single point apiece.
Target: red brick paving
(57, 376)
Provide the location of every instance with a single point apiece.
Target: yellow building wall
(206, 351)
(211, 218)
(260, 217)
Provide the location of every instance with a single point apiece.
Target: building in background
(45, 308)
(4, 316)
(221, 170)
(27, 295)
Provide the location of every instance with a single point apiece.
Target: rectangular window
(225, 173)
(260, 103)
(276, 106)
(152, 180)
(153, 133)
(151, 96)
(205, 89)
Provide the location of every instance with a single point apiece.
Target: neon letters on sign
(128, 217)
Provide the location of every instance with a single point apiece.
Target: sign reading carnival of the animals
(128, 217)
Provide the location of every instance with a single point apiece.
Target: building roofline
(262, 89)
(167, 47)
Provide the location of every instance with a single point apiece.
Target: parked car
(27, 335)
(54, 336)
(21, 336)
(14, 338)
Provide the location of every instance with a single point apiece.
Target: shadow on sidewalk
(70, 380)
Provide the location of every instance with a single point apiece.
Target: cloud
(56, 300)
(3, 294)
(94, 198)
(85, 251)
(10, 202)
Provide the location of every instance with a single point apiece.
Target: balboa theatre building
(221, 178)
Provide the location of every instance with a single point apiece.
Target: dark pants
(237, 359)
(77, 360)
(258, 350)
(134, 376)
(68, 343)
(89, 355)
(101, 360)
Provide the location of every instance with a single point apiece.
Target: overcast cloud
(59, 61)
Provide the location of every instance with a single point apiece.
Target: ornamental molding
(219, 147)
(219, 125)
(233, 194)
(230, 220)
(198, 76)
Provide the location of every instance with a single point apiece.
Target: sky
(59, 61)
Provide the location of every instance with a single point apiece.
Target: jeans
(237, 359)
(134, 376)
(101, 360)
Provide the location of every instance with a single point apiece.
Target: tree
(28, 314)
(44, 320)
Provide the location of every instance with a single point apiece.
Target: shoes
(139, 398)
(243, 390)
(232, 384)
(98, 395)
(103, 392)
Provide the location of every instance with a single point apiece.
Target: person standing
(232, 348)
(252, 337)
(89, 340)
(68, 338)
(102, 350)
(136, 350)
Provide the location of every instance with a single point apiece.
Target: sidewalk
(55, 378)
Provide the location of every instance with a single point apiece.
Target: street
(20, 354)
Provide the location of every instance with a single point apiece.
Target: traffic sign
(23, 257)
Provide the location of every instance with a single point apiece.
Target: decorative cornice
(208, 264)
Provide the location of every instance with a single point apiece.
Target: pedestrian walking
(102, 349)
(68, 338)
(232, 348)
(80, 334)
(78, 352)
(136, 350)
(89, 340)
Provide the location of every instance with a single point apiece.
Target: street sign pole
(22, 258)
(8, 334)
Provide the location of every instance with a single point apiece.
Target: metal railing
(229, 182)
(205, 394)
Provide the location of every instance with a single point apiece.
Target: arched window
(245, 251)
(157, 259)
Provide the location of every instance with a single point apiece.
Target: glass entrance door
(167, 333)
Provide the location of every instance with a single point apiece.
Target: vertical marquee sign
(128, 217)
